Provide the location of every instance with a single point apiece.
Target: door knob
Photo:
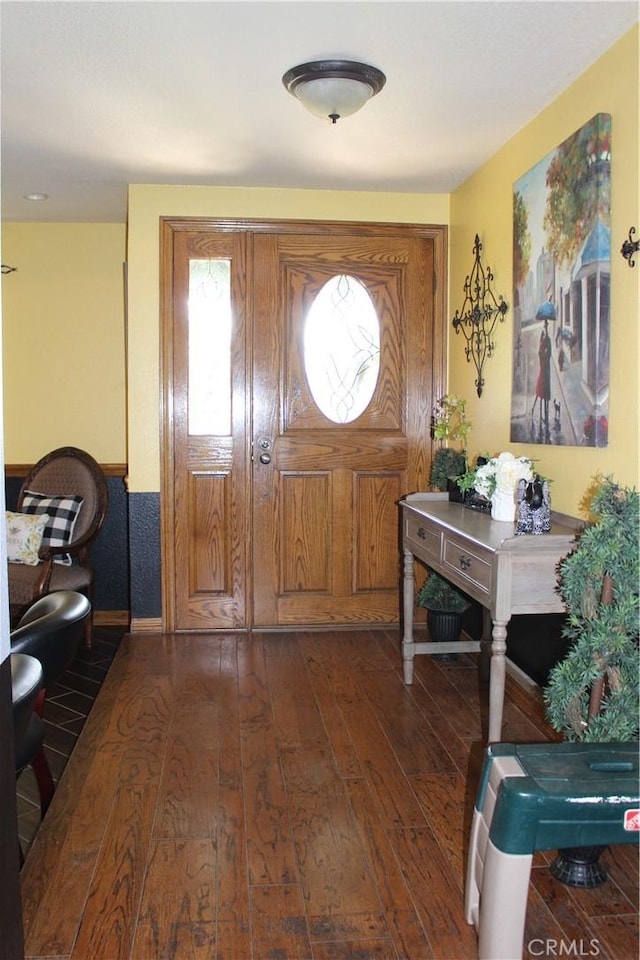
(264, 444)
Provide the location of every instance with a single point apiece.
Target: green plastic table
(540, 797)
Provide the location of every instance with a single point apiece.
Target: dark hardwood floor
(284, 796)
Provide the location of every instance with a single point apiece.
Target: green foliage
(603, 635)
(521, 240)
(447, 464)
(436, 593)
(467, 481)
(579, 188)
(449, 420)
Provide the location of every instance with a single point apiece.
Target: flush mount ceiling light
(332, 89)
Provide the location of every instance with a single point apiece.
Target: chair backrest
(71, 471)
(26, 682)
(51, 631)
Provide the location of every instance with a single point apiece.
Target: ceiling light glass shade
(333, 97)
(331, 89)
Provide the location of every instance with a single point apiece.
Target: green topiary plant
(593, 693)
(447, 464)
(436, 593)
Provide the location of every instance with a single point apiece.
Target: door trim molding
(167, 438)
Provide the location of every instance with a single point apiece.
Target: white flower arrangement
(502, 474)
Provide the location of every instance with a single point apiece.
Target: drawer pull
(465, 562)
(422, 533)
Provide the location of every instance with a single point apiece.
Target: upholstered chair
(68, 488)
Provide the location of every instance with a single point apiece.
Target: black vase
(444, 625)
(455, 493)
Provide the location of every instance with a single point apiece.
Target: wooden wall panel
(376, 550)
(209, 562)
(304, 536)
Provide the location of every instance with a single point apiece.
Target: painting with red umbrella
(561, 275)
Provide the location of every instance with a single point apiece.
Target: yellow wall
(483, 205)
(63, 340)
(147, 204)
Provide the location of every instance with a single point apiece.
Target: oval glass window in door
(342, 348)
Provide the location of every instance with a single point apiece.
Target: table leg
(408, 647)
(497, 679)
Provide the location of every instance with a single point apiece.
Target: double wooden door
(279, 501)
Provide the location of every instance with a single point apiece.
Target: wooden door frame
(437, 233)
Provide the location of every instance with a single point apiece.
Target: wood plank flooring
(287, 797)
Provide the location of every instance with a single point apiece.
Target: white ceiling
(97, 95)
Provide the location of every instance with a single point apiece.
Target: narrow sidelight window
(209, 347)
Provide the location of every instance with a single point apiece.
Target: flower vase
(503, 506)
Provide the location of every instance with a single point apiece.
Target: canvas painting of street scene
(561, 277)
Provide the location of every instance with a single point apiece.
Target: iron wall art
(480, 312)
(630, 247)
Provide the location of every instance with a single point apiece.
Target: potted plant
(449, 424)
(445, 605)
(447, 465)
(593, 693)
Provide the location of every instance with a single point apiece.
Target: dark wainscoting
(144, 555)
(534, 643)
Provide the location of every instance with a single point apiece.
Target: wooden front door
(325, 515)
(286, 514)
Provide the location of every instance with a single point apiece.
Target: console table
(505, 573)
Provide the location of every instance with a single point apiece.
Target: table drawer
(469, 561)
(423, 540)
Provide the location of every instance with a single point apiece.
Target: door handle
(264, 445)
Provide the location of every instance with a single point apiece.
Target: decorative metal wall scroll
(630, 247)
(479, 314)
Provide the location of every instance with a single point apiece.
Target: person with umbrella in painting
(546, 312)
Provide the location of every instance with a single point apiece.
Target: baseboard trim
(111, 618)
(154, 625)
(146, 625)
(513, 670)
